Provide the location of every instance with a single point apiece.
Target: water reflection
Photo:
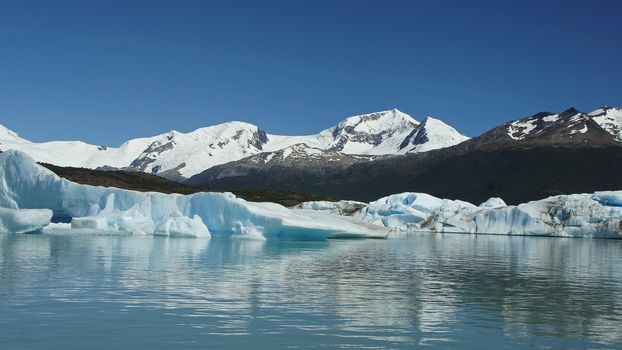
(423, 289)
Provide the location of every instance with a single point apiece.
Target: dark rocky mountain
(527, 159)
(139, 181)
(299, 157)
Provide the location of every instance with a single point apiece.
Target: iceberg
(594, 215)
(597, 215)
(24, 220)
(27, 185)
(416, 211)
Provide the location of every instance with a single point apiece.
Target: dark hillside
(139, 181)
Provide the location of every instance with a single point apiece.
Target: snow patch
(609, 119)
(518, 129)
(551, 118)
(583, 130)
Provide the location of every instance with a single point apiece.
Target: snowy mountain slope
(180, 155)
(430, 134)
(609, 119)
(298, 156)
(570, 128)
(301, 152)
(76, 153)
(381, 133)
(375, 133)
(203, 148)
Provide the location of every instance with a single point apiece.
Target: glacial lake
(409, 291)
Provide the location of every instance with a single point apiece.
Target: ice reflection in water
(424, 289)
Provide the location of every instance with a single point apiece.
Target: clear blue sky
(106, 71)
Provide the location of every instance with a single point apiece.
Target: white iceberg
(597, 215)
(416, 211)
(26, 184)
(24, 220)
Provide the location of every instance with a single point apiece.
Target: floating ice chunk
(92, 222)
(24, 220)
(58, 226)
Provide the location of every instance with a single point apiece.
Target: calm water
(422, 290)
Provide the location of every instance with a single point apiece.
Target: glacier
(26, 185)
(596, 215)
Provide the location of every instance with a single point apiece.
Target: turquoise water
(420, 290)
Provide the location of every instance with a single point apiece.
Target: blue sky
(107, 71)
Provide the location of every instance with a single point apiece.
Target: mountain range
(522, 160)
(176, 155)
(368, 156)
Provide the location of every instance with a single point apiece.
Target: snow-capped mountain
(385, 133)
(201, 149)
(431, 134)
(525, 159)
(76, 153)
(375, 133)
(609, 119)
(180, 155)
(568, 128)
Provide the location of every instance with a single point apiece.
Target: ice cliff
(27, 185)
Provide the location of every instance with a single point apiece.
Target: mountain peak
(570, 128)
(570, 112)
(429, 120)
(431, 134)
(381, 119)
